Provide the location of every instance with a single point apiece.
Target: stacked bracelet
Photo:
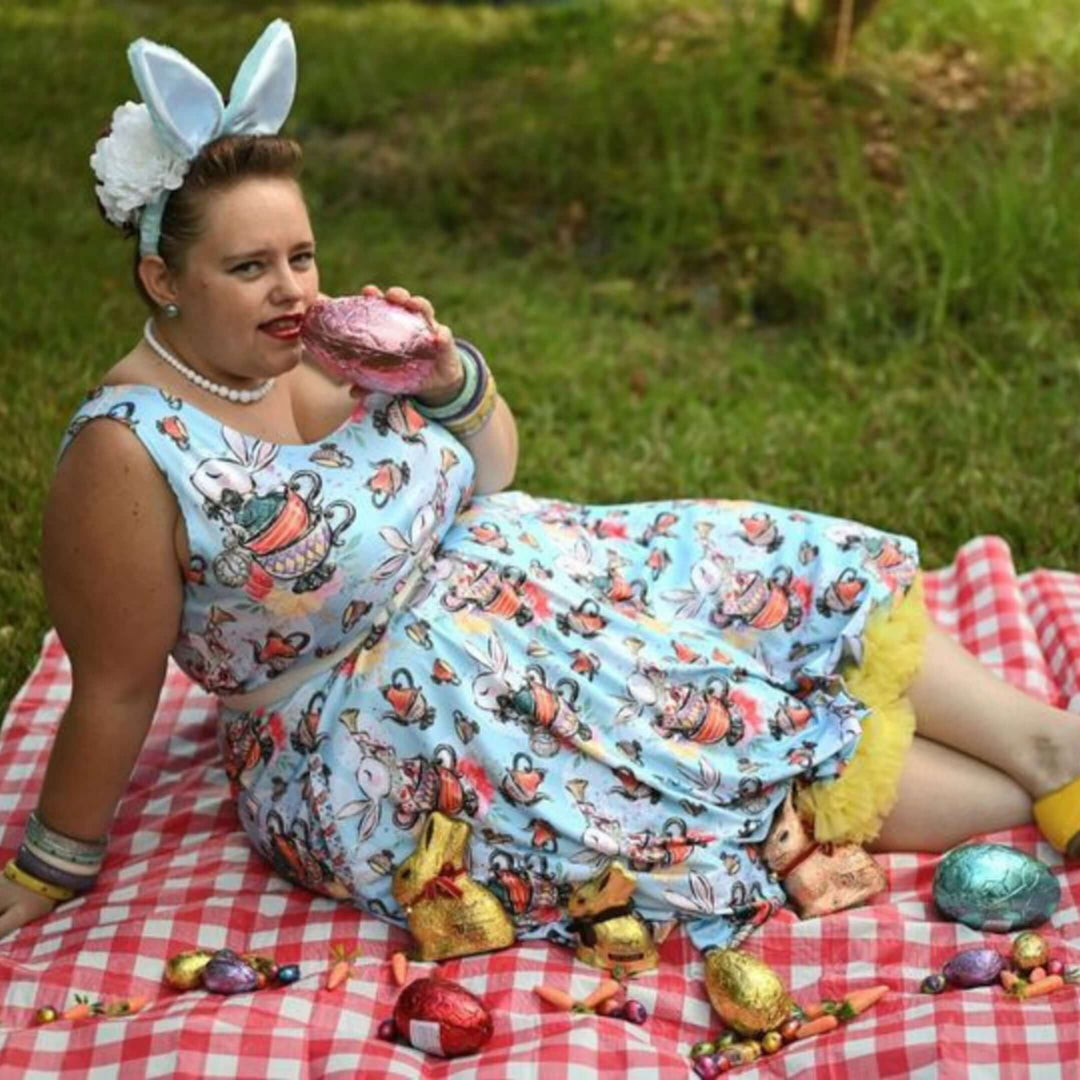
(54, 860)
(43, 888)
(473, 406)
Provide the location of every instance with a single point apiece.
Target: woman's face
(247, 281)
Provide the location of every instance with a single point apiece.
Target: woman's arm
(494, 448)
(114, 593)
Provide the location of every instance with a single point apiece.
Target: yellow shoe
(1058, 816)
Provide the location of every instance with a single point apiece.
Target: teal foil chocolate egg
(996, 888)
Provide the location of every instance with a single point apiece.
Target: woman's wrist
(472, 407)
(447, 395)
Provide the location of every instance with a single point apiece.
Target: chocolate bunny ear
(185, 106)
(265, 84)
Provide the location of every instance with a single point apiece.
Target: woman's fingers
(371, 290)
(422, 305)
(397, 295)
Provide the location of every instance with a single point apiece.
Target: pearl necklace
(244, 397)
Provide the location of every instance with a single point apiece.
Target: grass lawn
(695, 272)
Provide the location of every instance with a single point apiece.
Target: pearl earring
(170, 310)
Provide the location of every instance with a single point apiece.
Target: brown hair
(219, 165)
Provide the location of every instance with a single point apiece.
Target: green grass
(685, 274)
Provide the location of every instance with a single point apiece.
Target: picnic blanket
(180, 874)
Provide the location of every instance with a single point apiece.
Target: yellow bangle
(471, 423)
(43, 888)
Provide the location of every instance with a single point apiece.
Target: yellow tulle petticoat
(851, 807)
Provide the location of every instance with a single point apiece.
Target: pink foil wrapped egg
(371, 342)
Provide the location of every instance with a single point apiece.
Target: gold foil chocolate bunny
(449, 914)
(611, 933)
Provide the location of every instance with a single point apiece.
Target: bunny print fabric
(579, 684)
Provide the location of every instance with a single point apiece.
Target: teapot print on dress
(287, 533)
(449, 914)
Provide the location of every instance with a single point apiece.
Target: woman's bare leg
(962, 704)
(983, 750)
(946, 797)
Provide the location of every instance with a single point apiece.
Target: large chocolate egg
(994, 887)
(745, 991)
(372, 342)
(441, 1017)
(974, 967)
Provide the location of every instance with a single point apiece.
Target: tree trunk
(822, 38)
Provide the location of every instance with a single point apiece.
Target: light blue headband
(187, 111)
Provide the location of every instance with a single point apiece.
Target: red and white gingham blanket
(180, 875)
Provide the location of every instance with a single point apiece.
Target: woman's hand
(18, 906)
(448, 374)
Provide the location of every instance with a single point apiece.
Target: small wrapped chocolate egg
(994, 887)
(745, 991)
(1030, 951)
(789, 1029)
(264, 965)
(184, 970)
(706, 1067)
(45, 1015)
(288, 973)
(226, 973)
(771, 1041)
(933, 984)
(702, 1049)
(634, 1012)
(974, 967)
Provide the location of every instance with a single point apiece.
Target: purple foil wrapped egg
(228, 974)
(371, 342)
(974, 967)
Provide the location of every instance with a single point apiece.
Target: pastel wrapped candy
(371, 342)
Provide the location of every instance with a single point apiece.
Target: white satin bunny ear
(184, 104)
(265, 84)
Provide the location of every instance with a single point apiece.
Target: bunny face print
(244, 285)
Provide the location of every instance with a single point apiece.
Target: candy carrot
(399, 963)
(338, 974)
(812, 1012)
(559, 998)
(1043, 986)
(1010, 980)
(77, 1012)
(818, 1027)
(858, 1001)
(608, 988)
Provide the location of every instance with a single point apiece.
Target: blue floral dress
(581, 684)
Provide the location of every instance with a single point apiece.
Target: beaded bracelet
(28, 881)
(48, 843)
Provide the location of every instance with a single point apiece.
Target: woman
(391, 632)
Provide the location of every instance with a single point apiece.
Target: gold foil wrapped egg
(1030, 951)
(184, 971)
(746, 992)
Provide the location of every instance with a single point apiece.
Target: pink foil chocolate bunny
(818, 878)
(371, 342)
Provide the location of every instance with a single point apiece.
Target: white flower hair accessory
(147, 153)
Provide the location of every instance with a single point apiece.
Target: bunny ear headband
(151, 146)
